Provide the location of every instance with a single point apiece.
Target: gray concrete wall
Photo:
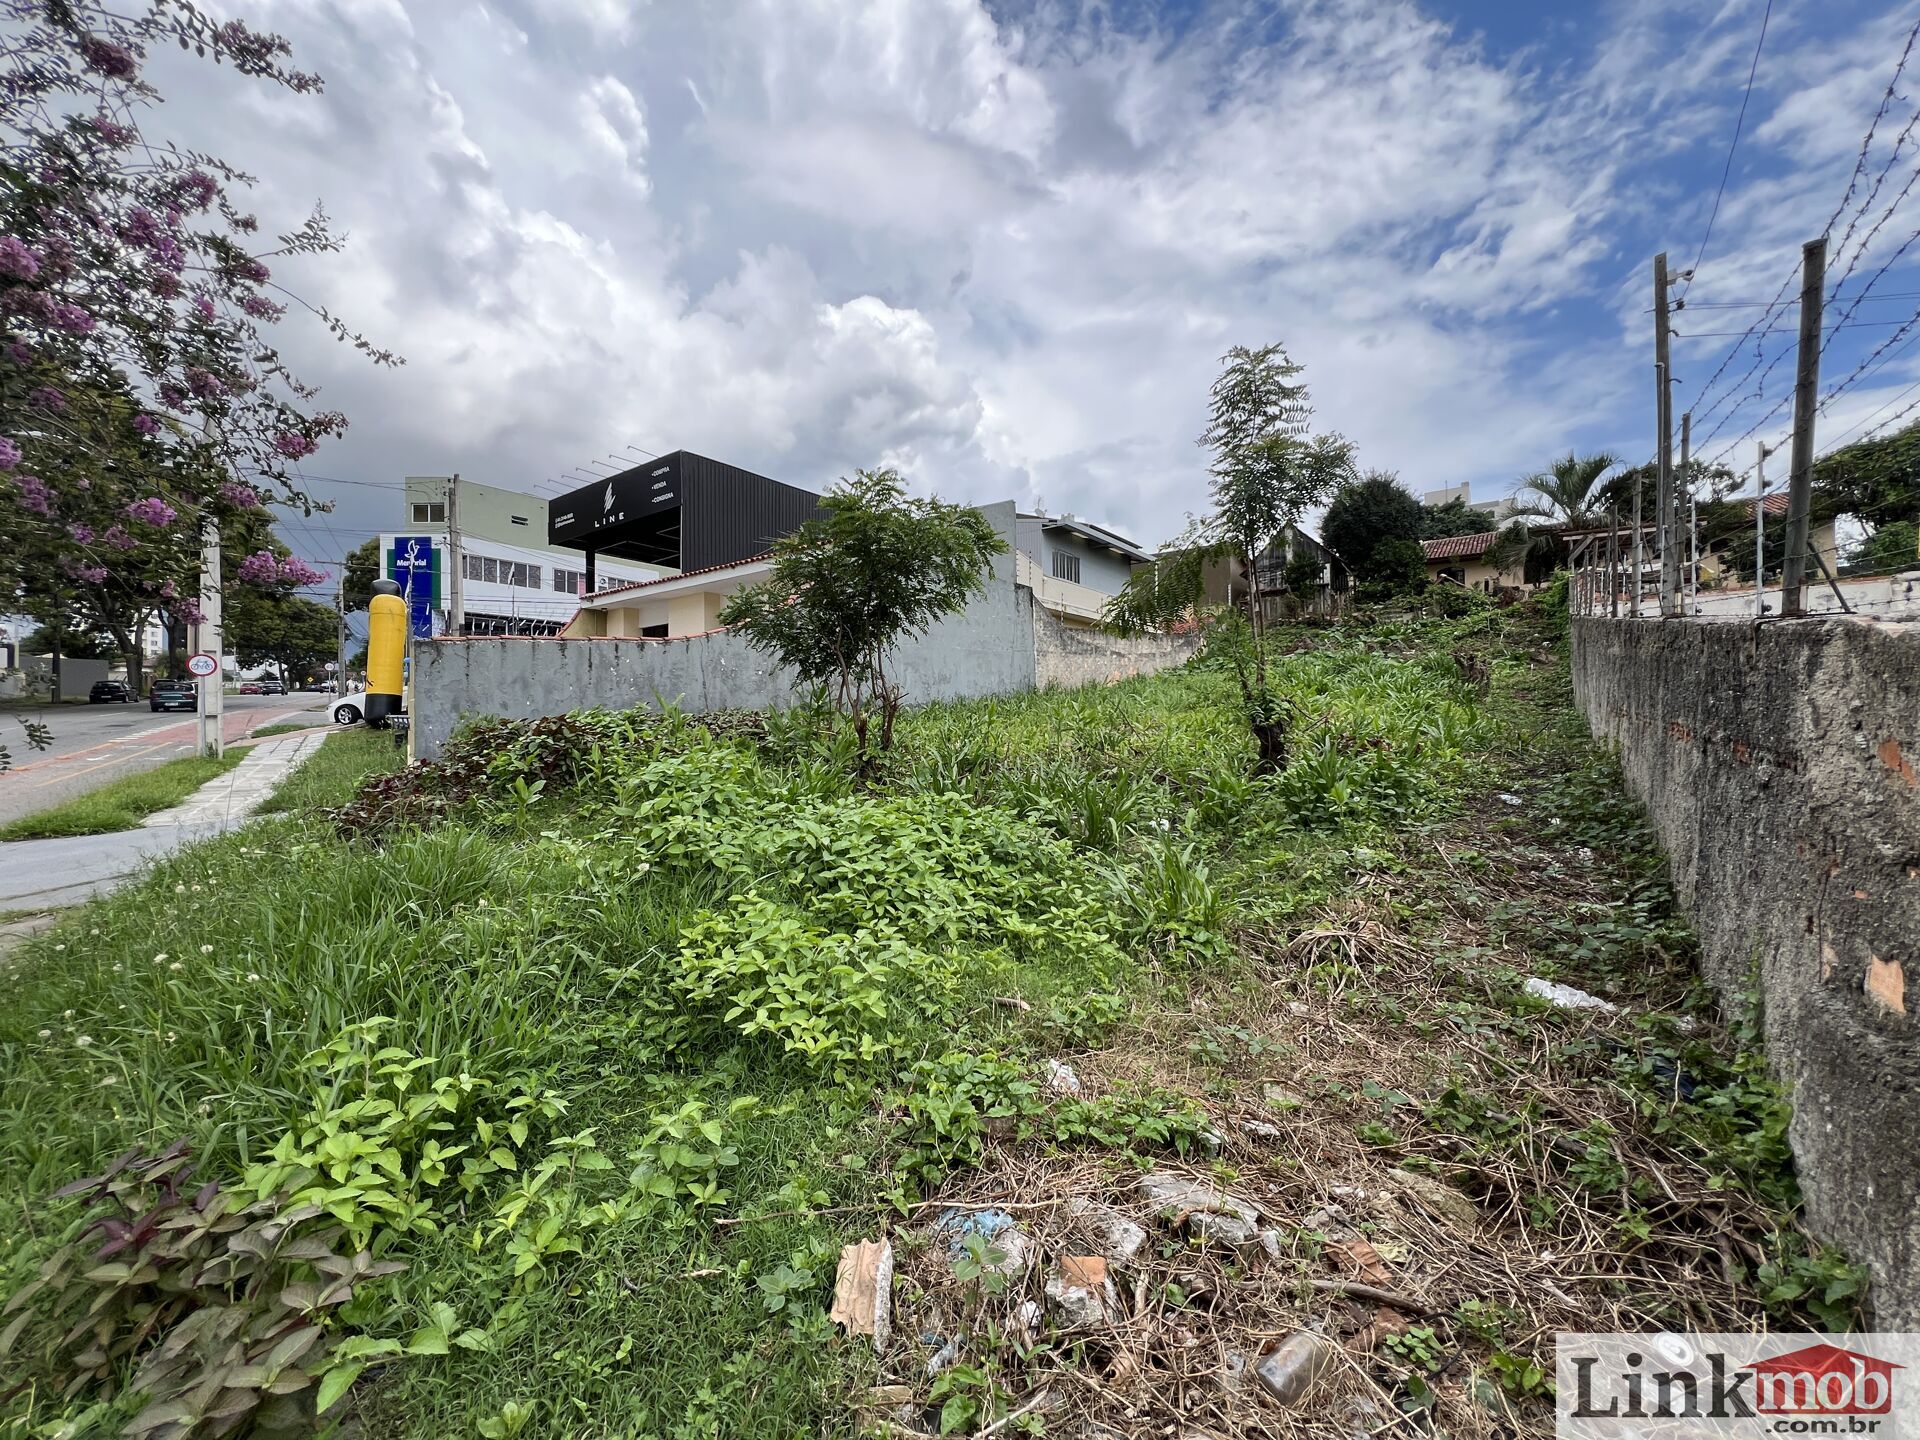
(1780, 765)
(1065, 656)
(987, 649)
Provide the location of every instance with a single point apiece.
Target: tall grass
(1046, 849)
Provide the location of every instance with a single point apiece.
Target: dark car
(174, 695)
(272, 687)
(109, 692)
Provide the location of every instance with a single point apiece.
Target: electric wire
(1738, 125)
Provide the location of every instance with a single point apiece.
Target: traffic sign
(332, 666)
(203, 664)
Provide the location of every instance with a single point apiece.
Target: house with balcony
(1072, 566)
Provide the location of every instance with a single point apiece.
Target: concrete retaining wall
(1066, 656)
(1781, 767)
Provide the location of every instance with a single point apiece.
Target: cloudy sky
(1002, 246)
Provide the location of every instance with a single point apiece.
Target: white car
(351, 708)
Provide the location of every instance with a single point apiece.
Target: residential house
(1716, 571)
(1228, 583)
(1462, 560)
(1073, 566)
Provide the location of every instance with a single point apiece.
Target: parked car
(110, 692)
(351, 708)
(272, 687)
(174, 695)
(252, 687)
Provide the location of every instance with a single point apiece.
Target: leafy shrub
(839, 1000)
(373, 1161)
(1171, 901)
(211, 1308)
(951, 1104)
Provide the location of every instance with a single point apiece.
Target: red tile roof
(1776, 504)
(1459, 547)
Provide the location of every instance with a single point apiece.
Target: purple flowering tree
(140, 388)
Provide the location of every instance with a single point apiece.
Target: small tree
(289, 631)
(1366, 513)
(1267, 472)
(876, 567)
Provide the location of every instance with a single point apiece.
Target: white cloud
(807, 235)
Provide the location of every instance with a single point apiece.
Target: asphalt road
(93, 744)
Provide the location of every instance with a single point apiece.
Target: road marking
(115, 760)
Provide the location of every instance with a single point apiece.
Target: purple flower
(146, 424)
(198, 189)
(92, 574)
(241, 497)
(34, 494)
(262, 308)
(152, 511)
(203, 306)
(293, 445)
(72, 318)
(188, 612)
(294, 571)
(45, 397)
(9, 454)
(16, 259)
(113, 61)
(173, 396)
(260, 568)
(112, 131)
(18, 353)
(117, 538)
(247, 268)
(82, 533)
(204, 383)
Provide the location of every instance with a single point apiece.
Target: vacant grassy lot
(540, 1092)
(122, 804)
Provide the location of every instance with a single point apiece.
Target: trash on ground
(1287, 1371)
(1119, 1238)
(863, 1290)
(1081, 1293)
(1567, 997)
(1060, 1078)
(1007, 1245)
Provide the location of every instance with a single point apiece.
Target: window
(490, 570)
(568, 582)
(1066, 567)
(430, 513)
(470, 566)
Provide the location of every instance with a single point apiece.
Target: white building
(511, 582)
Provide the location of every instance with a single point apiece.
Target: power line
(1832, 297)
(1726, 170)
(1785, 329)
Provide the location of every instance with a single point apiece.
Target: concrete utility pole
(1690, 582)
(1806, 397)
(1663, 422)
(456, 595)
(1760, 529)
(340, 660)
(211, 737)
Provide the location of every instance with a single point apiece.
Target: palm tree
(1569, 491)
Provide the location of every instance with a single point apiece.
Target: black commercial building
(681, 510)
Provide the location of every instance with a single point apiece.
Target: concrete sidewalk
(49, 874)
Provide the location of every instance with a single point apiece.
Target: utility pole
(1760, 530)
(1690, 588)
(1663, 422)
(1806, 396)
(211, 728)
(340, 660)
(456, 596)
